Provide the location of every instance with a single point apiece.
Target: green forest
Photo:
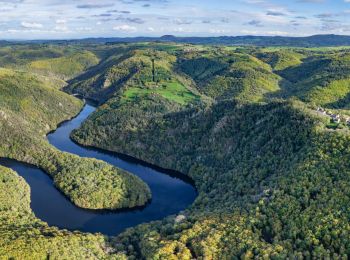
(29, 110)
(254, 128)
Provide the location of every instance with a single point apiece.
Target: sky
(68, 19)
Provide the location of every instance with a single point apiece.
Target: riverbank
(171, 194)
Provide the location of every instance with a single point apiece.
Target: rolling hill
(29, 110)
(324, 40)
(271, 170)
(262, 165)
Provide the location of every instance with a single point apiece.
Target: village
(335, 118)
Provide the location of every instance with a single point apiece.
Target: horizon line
(169, 35)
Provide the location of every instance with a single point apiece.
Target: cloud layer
(39, 19)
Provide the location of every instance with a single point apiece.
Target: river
(171, 192)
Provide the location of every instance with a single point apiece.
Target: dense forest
(271, 170)
(23, 236)
(30, 108)
(262, 159)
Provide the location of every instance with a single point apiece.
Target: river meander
(171, 192)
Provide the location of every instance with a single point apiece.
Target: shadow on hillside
(100, 70)
(340, 103)
(286, 90)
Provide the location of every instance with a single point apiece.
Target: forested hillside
(29, 110)
(321, 79)
(272, 177)
(131, 67)
(262, 131)
(23, 236)
(65, 67)
(280, 59)
(225, 74)
(52, 63)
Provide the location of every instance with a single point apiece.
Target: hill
(271, 170)
(277, 171)
(129, 71)
(262, 166)
(226, 74)
(53, 62)
(320, 79)
(65, 67)
(29, 110)
(280, 59)
(25, 236)
(309, 41)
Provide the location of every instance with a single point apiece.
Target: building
(335, 118)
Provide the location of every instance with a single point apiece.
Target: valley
(239, 124)
(170, 192)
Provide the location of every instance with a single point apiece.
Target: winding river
(171, 192)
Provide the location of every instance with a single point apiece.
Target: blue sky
(54, 19)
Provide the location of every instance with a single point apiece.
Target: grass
(172, 91)
(332, 125)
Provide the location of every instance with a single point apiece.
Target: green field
(173, 91)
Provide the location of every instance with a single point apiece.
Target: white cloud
(92, 18)
(61, 28)
(31, 25)
(218, 31)
(273, 33)
(84, 29)
(179, 29)
(277, 33)
(61, 21)
(125, 28)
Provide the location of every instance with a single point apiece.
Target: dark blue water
(171, 193)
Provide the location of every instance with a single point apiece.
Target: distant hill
(310, 41)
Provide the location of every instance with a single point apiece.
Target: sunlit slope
(53, 62)
(321, 79)
(65, 67)
(15, 56)
(280, 59)
(229, 75)
(101, 81)
(130, 71)
(218, 73)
